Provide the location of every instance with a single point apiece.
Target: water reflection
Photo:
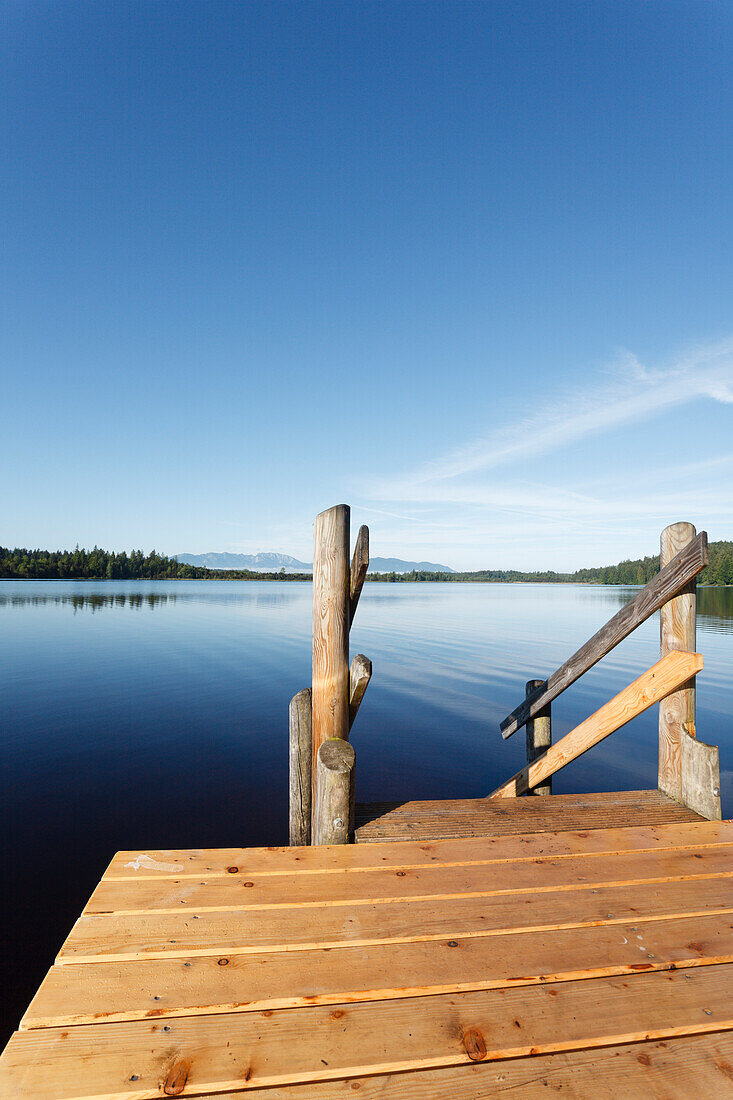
(714, 605)
(151, 598)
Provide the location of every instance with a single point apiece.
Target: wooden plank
(677, 632)
(700, 774)
(676, 574)
(317, 1044)
(84, 992)
(301, 747)
(196, 863)
(677, 1069)
(359, 567)
(385, 884)
(505, 817)
(662, 678)
(360, 674)
(330, 683)
(334, 809)
(247, 982)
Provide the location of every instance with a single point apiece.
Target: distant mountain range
(273, 563)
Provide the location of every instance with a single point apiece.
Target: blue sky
(468, 267)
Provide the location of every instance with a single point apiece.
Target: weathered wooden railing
(689, 771)
(321, 717)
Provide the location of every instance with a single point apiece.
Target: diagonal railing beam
(668, 583)
(657, 682)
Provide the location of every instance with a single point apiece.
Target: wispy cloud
(466, 508)
(634, 393)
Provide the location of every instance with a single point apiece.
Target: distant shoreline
(298, 578)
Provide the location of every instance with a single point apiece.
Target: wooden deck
(595, 963)
(445, 818)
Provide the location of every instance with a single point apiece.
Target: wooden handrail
(666, 676)
(683, 568)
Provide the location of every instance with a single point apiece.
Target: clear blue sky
(466, 266)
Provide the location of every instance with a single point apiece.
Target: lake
(154, 715)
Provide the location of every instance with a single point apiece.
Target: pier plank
(690, 1066)
(318, 1043)
(689, 830)
(394, 967)
(177, 898)
(199, 984)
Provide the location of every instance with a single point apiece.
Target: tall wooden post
(331, 598)
(539, 735)
(678, 631)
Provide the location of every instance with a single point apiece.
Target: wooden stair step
(472, 817)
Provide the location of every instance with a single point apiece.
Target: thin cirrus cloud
(448, 505)
(635, 394)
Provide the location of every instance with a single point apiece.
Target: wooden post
(334, 809)
(539, 735)
(700, 766)
(678, 632)
(331, 598)
(301, 748)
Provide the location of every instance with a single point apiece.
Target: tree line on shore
(96, 564)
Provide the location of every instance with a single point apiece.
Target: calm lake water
(154, 715)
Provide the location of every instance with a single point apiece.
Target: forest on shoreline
(96, 564)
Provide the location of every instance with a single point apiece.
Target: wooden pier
(508, 946)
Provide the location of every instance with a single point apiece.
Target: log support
(678, 632)
(333, 820)
(539, 735)
(300, 768)
(325, 712)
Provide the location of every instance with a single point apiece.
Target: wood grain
(149, 901)
(359, 567)
(192, 984)
(331, 581)
(334, 810)
(700, 774)
(662, 678)
(360, 674)
(300, 782)
(677, 632)
(316, 1044)
(480, 817)
(177, 864)
(673, 578)
(676, 1069)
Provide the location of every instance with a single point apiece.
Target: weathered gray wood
(678, 630)
(359, 566)
(359, 676)
(301, 748)
(331, 595)
(683, 568)
(700, 774)
(539, 735)
(334, 809)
